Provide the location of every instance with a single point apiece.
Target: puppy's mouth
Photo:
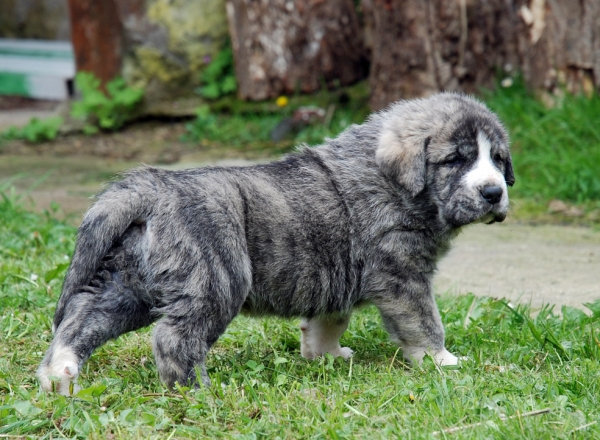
(461, 213)
(493, 217)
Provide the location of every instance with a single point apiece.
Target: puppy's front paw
(310, 353)
(320, 337)
(445, 358)
(442, 357)
(345, 352)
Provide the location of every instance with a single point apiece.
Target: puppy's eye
(454, 160)
(497, 157)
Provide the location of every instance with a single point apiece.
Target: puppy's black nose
(492, 194)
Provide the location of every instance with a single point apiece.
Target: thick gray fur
(362, 218)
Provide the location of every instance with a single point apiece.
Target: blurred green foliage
(37, 130)
(218, 78)
(104, 110)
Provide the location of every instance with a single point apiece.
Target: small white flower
(33, 277)
(506, 82)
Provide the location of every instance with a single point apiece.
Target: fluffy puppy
(362, 218)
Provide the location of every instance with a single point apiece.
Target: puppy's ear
(509, 174)
(403, 158)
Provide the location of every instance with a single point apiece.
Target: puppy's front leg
(412, 319)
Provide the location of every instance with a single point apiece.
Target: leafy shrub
(37, 130)
(218, 78)
(108, 111)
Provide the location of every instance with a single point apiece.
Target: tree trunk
(284, 46)
(421, 47)
(561, 45)
(97, 37)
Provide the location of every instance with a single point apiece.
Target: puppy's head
(452, 149)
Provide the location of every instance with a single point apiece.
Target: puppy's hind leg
(96, 314)
(203, 288)
(322, 335)
(183, 336)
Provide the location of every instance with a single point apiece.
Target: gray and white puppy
(360, 219)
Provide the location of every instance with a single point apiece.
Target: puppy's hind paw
(62, 381)
(60, 374)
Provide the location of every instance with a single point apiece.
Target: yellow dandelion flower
(282, 101)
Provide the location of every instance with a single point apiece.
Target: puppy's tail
(105, 222)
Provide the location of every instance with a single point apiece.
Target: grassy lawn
(262, 388)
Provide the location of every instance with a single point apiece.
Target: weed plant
(106, 110)
(262, 388)
(218, 78)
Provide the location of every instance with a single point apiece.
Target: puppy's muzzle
(491, 194)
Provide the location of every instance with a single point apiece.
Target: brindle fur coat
(362, 218)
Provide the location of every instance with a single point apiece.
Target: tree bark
(421, 47)
(561, 44)
(284, 46)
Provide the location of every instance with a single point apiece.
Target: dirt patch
(140, 142)
(24, 103)
(71, 169)
(544, 264)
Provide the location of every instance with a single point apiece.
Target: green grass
(556, 150)
(262, 388)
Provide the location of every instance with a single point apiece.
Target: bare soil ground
(544, 264)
